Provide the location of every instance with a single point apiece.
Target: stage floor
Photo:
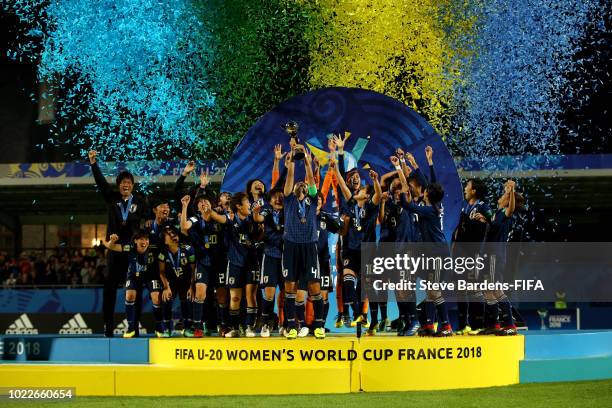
(341, 363)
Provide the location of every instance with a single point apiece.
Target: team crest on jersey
(133, 208)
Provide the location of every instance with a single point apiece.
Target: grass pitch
(548, 395)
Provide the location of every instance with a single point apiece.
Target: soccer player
(300, 261)
(176, 265)
(243, 265)
(272, 218)
(472, 228)
(431, 230)
(353, 181)
(498, 234)
(256, 191)
(126, 210)
(326, 224)
(206, 236)
(141, 271)
(359, 215)
(403, 227)
(161, 211)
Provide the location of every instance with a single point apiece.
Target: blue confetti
(128, 75)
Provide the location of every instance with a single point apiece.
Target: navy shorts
(327, 283)
(203, 273)
(136, 281)
(300, 262)
(219, 273)
(238, 276)
(271, 272)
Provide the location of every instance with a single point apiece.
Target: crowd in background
(71, 268)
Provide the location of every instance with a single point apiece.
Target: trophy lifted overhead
(291, 128)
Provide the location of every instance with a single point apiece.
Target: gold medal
(207, 245)
(303, 220)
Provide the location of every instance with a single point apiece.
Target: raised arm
(339, 142)
(105, 188)
(310, 181)
(341, 183)
(316, 172)
(387, 176)
(112, 244)
(396, 163)
(432, 172)
(509, 188)
(283, 173)
(209, 214)
(381, 210)
(399, 153)
(179, 186)
(278, 156)
(377, 189)
(185, 223)
(204, 182)
(288, 188)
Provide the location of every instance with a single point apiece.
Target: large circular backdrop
(377, 125)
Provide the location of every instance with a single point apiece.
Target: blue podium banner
(60, 301)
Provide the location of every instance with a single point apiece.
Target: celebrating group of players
(237, 249)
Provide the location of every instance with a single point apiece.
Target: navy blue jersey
(177, 265)
(388, 226)
(326, 224)
(206, 237)
(500, 230)
(273, 229)
(362, 223)
(241, 236)
(403, 225)
(500, 227)
(469, 229)
(139, 264)
(429, 220)
(300, 219)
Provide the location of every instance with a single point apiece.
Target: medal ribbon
(357, 216)
(126, 210)
(176, 265)
(302, 208)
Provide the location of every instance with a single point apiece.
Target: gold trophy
(291, 128)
